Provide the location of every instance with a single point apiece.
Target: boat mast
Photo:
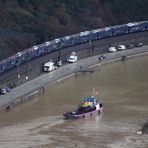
(93, 95)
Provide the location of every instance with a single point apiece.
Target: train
(70, 40)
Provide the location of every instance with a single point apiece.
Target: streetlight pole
(93, 47)
(59, 52)
(18, 67)
(18, 72)
(27, 70)
(18, 64)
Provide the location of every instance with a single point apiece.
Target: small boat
(88, 108)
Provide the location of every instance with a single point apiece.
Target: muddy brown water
(123, 89)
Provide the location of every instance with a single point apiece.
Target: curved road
(37, 85)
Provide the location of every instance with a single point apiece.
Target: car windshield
(72, 58)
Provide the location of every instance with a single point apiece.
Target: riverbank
(38, 85)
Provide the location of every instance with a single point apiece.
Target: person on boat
(101, 105)
(83, 107)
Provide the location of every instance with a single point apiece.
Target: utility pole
(93, 47)
(18, 64)
(59, 52)
(27, 70)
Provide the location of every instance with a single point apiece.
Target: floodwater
(123, 89)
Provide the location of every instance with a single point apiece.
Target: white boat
(92, 108)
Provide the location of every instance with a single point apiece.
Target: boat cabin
(91, 101)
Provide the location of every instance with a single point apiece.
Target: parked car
(3, 91)
(112, 49)
(58, 63)
(138, 45)
(121, 47)
(47, 43)
(130, 46)
(35, 47)
(8, 89)
(72, 58)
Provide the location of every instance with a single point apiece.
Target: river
(123, 89)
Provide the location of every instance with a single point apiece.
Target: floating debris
(143, 130)
(139, 132)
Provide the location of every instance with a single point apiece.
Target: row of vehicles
(48, 67)
(51, 65)
(123, 47)
(71, 40)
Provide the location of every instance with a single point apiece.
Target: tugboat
(88, 108)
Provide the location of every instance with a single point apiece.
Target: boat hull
(73, 115)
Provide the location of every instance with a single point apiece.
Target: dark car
(8, 89)
(138, 45)
(58, 63)
(3, 91)
(130, 46)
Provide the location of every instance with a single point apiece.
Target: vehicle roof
(131, 24)
(48, 63)
(72, 56)
(112, 47)
(121, 45)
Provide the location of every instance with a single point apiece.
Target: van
(49, 66)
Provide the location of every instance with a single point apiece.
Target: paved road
(38, 83)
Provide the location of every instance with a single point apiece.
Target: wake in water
(30, 134)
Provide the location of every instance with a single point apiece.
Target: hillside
(26, 23)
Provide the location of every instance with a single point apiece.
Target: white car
(112, 49)
(72, 59)
(121, 47)
(47, 43)
(35, 47)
